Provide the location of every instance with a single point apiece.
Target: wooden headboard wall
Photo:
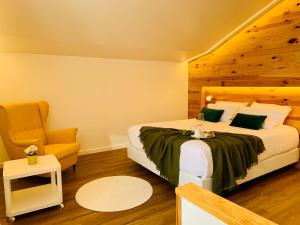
(273, 95)
(265, 54)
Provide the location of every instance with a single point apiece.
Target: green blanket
(232, 154)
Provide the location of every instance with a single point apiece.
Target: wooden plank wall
(266, 53)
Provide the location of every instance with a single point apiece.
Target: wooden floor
(275, 196)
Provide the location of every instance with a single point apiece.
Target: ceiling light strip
(228, 36)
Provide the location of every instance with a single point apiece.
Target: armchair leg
(74, 167)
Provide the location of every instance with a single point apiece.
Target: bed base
(262, 168)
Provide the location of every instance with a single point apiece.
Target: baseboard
(94, 150)
(102, 149)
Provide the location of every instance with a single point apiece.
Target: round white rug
(112, 194)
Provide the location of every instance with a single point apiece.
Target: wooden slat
(226, 211)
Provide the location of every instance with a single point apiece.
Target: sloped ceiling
(172, 30)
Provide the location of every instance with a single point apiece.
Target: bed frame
(276, 95)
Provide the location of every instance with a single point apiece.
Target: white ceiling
(172, 30)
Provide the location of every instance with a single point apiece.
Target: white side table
(34, 198)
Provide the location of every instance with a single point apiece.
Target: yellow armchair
(22, 125)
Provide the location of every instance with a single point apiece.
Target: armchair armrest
(62, 136)
(26, 143)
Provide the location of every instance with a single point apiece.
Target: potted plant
(31, 153)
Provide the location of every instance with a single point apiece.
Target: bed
(196, 165)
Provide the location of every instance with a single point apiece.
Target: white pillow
(239, 104)
(229, 111)
(279, 112)
(269, 123)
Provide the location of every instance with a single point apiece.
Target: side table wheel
(11, 219)
(62, 206)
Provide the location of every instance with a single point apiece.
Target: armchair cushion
(61, 136)
(62, 150)
(26, 143)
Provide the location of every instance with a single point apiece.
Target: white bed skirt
(263, 167)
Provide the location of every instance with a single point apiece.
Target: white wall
(102, 97)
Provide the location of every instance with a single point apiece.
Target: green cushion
(212, 115)
(253, 122)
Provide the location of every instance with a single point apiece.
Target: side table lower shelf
(32, 199)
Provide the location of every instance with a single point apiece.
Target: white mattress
(196, 158)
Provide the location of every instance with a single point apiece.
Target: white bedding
(196, 158)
